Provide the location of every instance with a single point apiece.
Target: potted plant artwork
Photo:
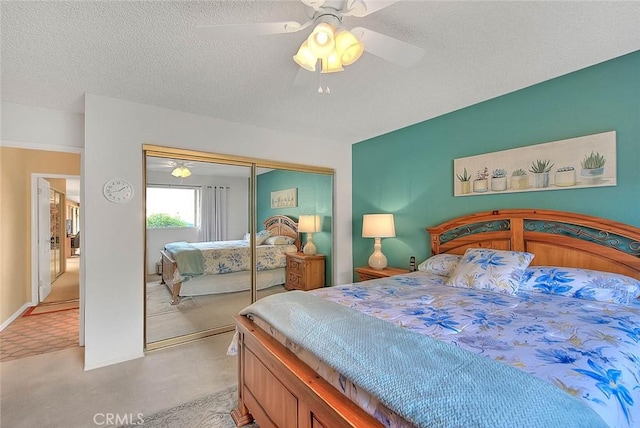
(499, 180)
(465, 182)
(540, 169)
(519, 179)
(480, 184)
(565, 176)
(592, 168)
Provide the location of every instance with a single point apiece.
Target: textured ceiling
(148, 52)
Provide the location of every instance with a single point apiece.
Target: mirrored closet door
(217, 239)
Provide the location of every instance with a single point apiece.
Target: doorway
(56, 261)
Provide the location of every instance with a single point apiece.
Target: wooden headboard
(556, 238)
(281, 225)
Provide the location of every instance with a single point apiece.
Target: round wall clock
(118, 190)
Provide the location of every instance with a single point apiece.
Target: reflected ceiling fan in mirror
(329, 43)
(181, 170)
(177, 168)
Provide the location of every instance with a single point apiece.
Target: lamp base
(309, 248)
(377, 260)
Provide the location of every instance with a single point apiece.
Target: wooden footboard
(169, 267)
(278, 390)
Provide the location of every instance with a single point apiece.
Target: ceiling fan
(329, 44)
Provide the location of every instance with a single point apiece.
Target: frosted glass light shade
(181, 171)
(378, 226)
(348, 47)
(322, 40)
(305, 58)
(331, 64)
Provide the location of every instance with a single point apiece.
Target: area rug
(47, 308)
(212, 411)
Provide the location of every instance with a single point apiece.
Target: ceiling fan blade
(240, 30)
(305, 78)
(360, 8)
(388, 48)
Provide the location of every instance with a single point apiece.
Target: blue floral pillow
(491, 270)
(581, 283)
(440, 264)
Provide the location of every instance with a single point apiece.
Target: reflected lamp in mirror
(378, 226)
(309, 224)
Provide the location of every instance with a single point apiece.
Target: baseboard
(15, 316)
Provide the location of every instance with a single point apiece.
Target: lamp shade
(378, 226)
(309, 224)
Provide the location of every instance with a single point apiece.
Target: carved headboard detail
(283, 226)
(556, 238)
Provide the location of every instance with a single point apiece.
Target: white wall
(40, 128)
(113, 233)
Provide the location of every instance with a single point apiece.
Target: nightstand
(366, 273)
(304, 272)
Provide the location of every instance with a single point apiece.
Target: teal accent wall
(315, 196)
(409, 172)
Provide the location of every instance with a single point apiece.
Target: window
(172, 207)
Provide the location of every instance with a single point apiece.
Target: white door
(44, 240)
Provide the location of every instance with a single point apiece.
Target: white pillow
(491, 270)
(262, 236)
(279, 240)
(440, 264)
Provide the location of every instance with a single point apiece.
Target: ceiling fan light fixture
(331, 63)
(181, 171)
(322, 40)
(348, 47)
(305, 58)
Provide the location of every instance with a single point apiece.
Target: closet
(223, 198)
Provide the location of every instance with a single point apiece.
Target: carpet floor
(192, 314)
(212, 411)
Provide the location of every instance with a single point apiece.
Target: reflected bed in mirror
(201, 268)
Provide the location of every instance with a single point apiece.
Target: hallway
(52, 325)
(67, 286)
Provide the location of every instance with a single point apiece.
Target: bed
(578, 347)
(225, 266)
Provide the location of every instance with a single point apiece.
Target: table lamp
(378, 226)
(309, 224)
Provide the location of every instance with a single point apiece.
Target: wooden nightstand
(366, 273)
(304, 272)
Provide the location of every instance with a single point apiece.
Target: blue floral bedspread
(589, 349)
(234, 256)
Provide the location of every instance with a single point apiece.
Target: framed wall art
(588, 161)
(287, 198)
